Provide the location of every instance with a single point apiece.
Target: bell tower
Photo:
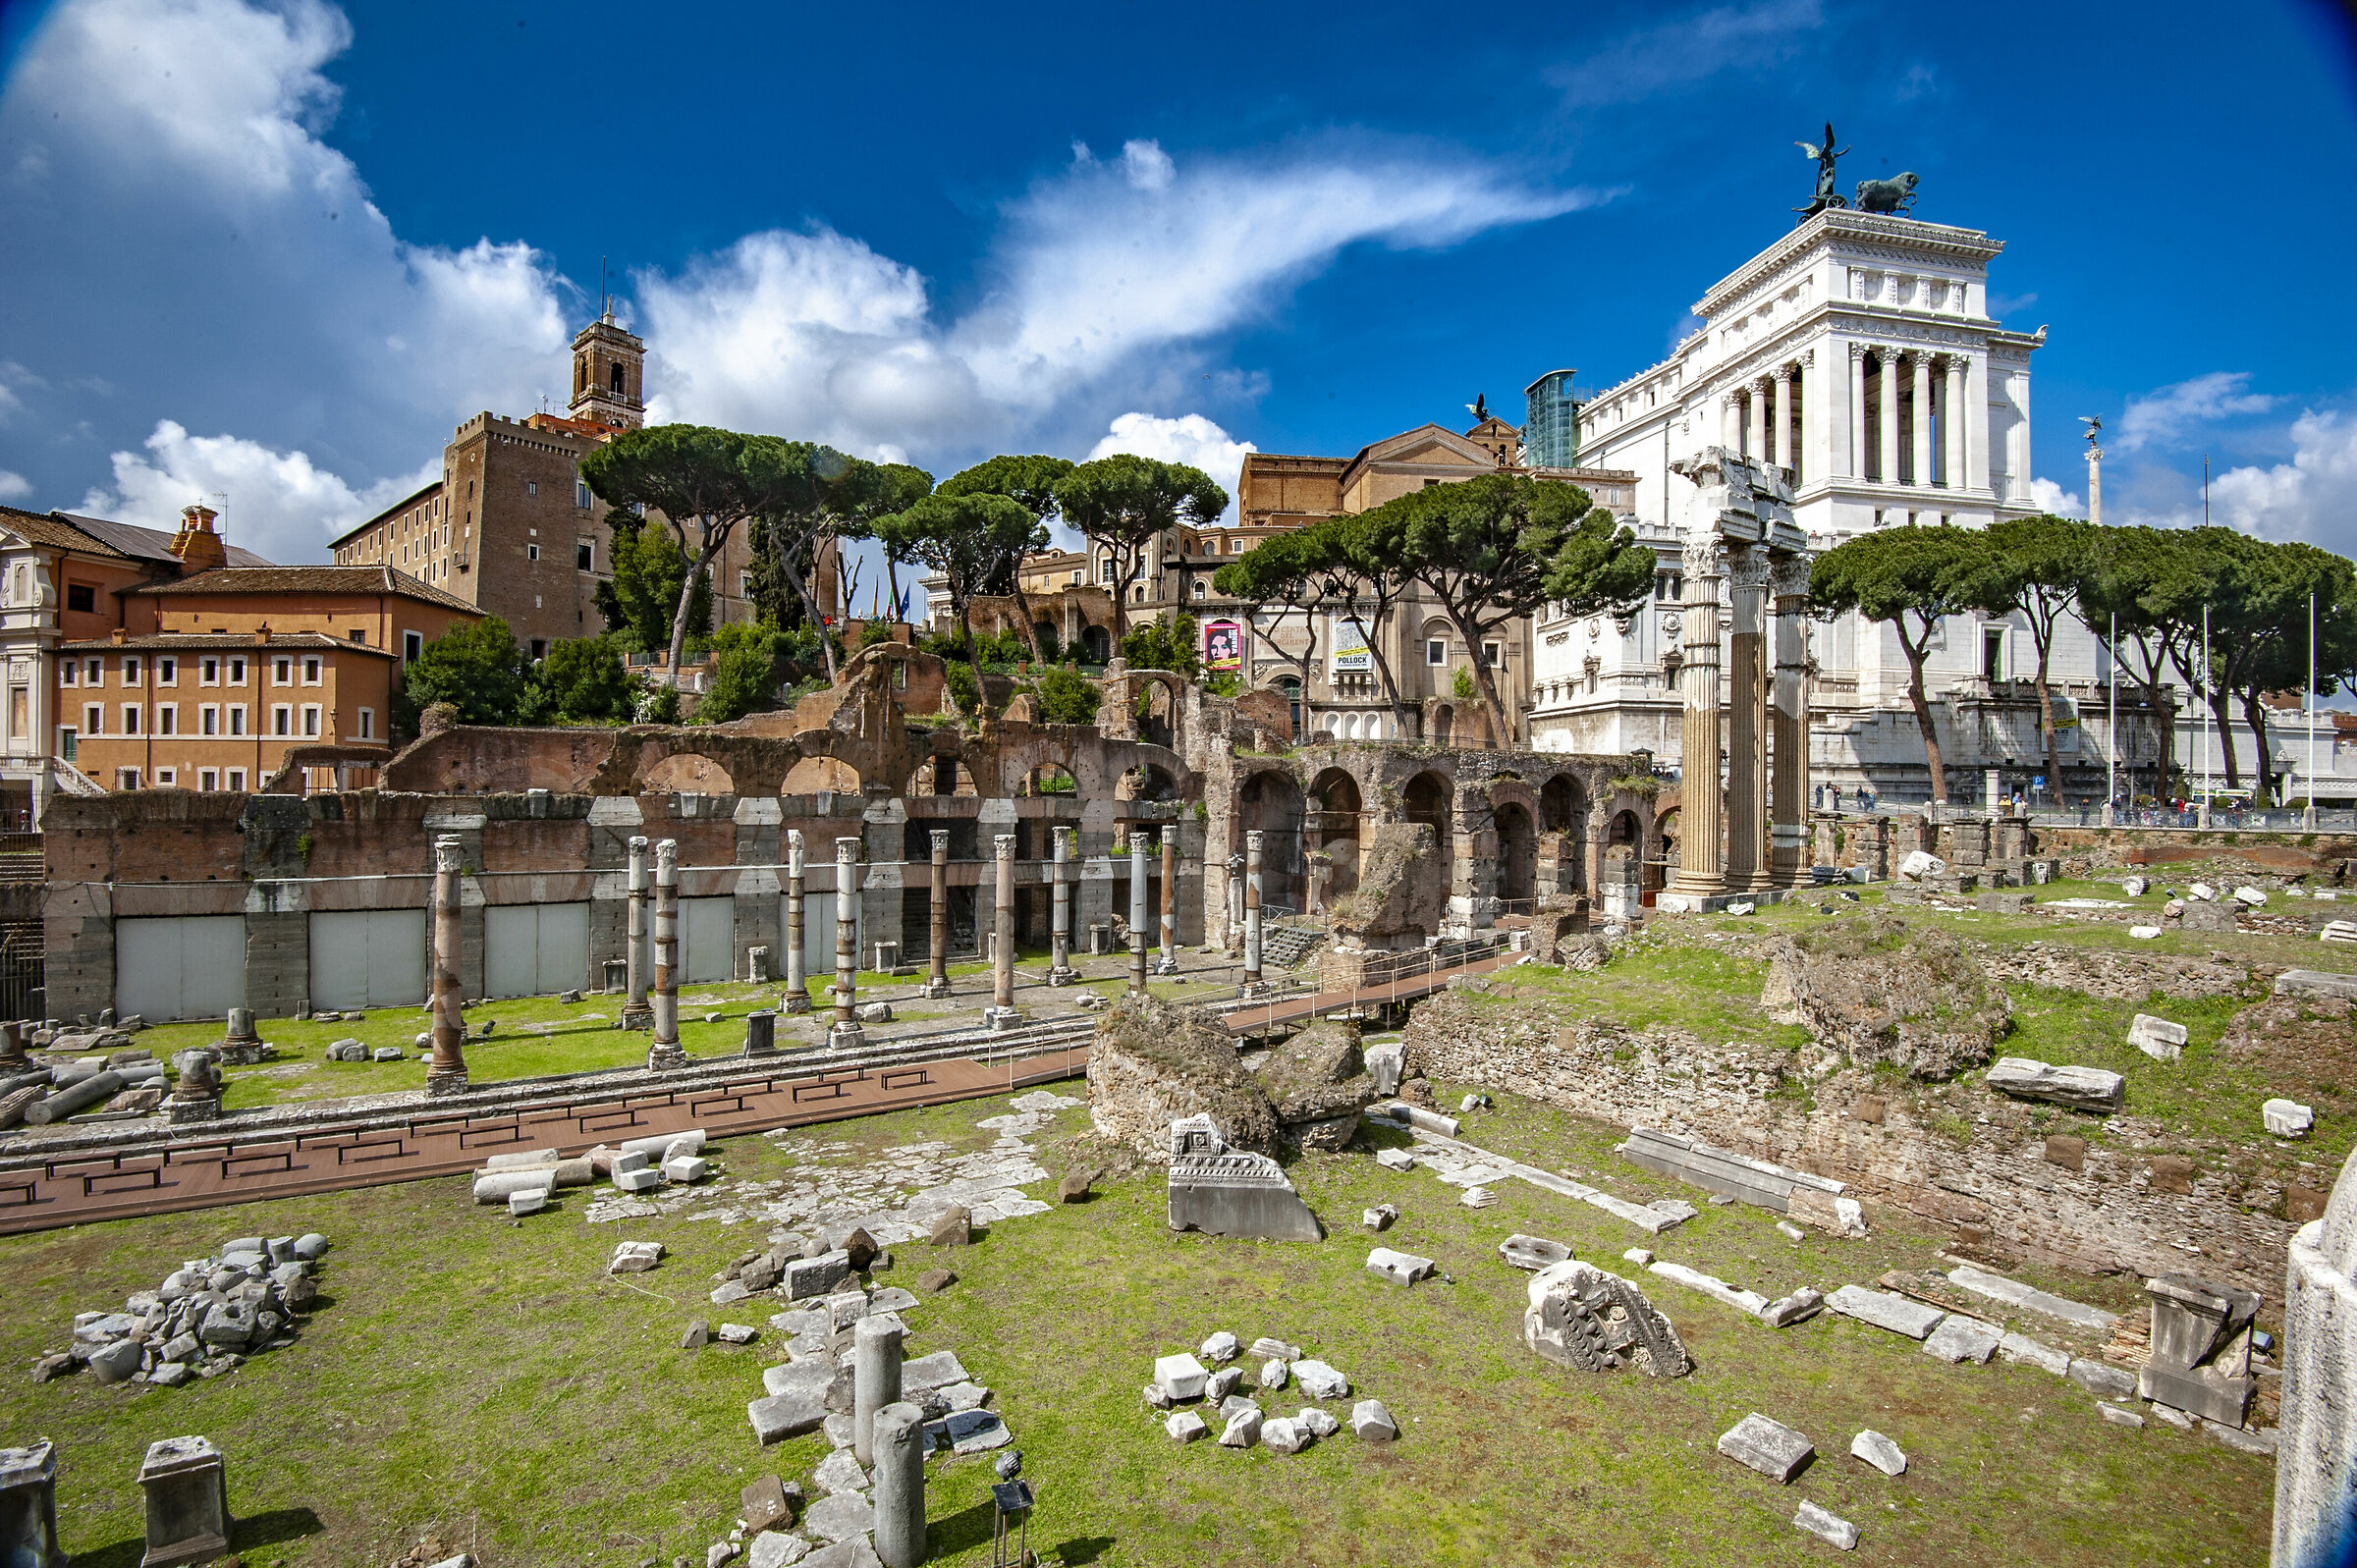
(609, 368)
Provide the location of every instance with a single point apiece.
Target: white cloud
(2165, 416)
(2002, 305)
(13, 486)
(2313, 497)
(2051, 496)
(276, 502)
(1191, 439)
(1688, 50)
(210, 260)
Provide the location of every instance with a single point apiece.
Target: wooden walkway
(1293, 1009)
(83, 1186)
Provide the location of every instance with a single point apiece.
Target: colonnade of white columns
(1916, 417)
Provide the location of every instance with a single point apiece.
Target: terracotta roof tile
(310, 579)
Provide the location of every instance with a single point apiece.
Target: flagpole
(2111, 731)
(2202, 817)
(2310, 818)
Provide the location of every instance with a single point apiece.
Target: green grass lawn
(480, 1378)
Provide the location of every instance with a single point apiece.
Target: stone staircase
(1289, 946)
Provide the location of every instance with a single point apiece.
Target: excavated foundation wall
(1955, 1154)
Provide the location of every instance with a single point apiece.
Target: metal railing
(1391, 968)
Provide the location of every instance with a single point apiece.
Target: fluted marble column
(1887, 444)
(798, 982)
(664, 1052)
(1782, 443)
(1856, 465)
(1956, 425)
(937, 972)
(1923, 420)
(1788, 720)
(1755, 442)
(1061, 971)
(1746, 716)
(1699, 819)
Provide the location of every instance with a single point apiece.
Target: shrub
(1067, 697)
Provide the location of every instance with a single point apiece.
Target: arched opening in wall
(1563, 809)
(1337, 825)
(1049, 779)
(941, 775)
(1096, 645)
(1156, 714)
(814, 774)
(617, 381)
(1272, 804)
(1624, 831)
(1045, 632)
(1290, 688)
(1146, 781)
(687, 773)
(1517, 851)
(1664, 856)
(1426, 799)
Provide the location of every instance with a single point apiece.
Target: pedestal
(1063, 976)
(438, 1084)
(665, 1058)
(937, 988)
(845, 1037)
(760, 1034)
(794, 1003)
(188, 1502)
(641, 1016)
(28, 1507)
(1000, 1018)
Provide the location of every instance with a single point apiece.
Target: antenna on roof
(605, 301)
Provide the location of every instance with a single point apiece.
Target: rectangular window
(131, 670)
(1435, 652)
(68, 740)
(282, 720)
(209, 720)
(237, 780)
(360, 636)
(1202, 588)
(94, 671)
(584, 556)
(93, 720)
(282, 672)
(82, 598)
(1493, 655)
(167, 671)
(745, 585)
(532, 487)
(237, 717)
(1236, 546)
(167, 778)
(167, 718)
(311, 720)
(209, 777)
(69, 672)
(531, 552)
(368, 723)
(580, 495)
(539, 647)
(130, 718)
(126, 777)
(1105, 570)
(20, 712)
(1993, 654)
(237, 670)
(311, 667)
(413, 643)
(208, 672)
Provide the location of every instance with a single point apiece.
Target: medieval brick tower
(609, 385)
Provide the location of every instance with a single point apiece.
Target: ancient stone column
(1252, 907)
(1781, 446)
(875, 1379)
(1169, 964)
(847, 1031)
(797, 984)
(1922, 430)
(446, 1074)
(1061, 971)
(1002, 958)
(1788, 723)
(1235, 907)
(1953, 425)
(1887, 436)
(1137, 910)
(635, 1013)
(899, 1481)
(665, 1053)
(1755, 436)
(2316, 1453)
(1746, 716)
(937, 979)
(1856, 467)
(1698, 849)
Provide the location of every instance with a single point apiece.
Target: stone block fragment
(1394, 1159)
(1380, 1218)
(2156, 1038)
(779, 1548)
(1880, 1452)
(1769, 1447)
(698, 1335)
(529, 1202)
(1897, 1313)
(763, 1505)
(2030, 1352)
(1826, 1527)
(2102, 1379)
(1242, 1430)
(1397, 1268)
(1370, 1422)
(1184, 1426)
(686, 1170)
(1182, 1376)
(1221, 1348)
(955, 1227)
(736, 1333)
(643, 1180)
(1222, 1383)
(1532, 1252)
(2081, 1088)
(1280, 1435)
(808, 1277)
(2119, 1416)
(1274, 1374)
(1265, 1348)
(2287, 1118)
(1961, 1339)
(1320, 1381)
(635, 1257)
(1798, 1306)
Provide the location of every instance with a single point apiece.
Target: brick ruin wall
(1994, 1184)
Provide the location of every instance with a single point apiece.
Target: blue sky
(278, 251)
